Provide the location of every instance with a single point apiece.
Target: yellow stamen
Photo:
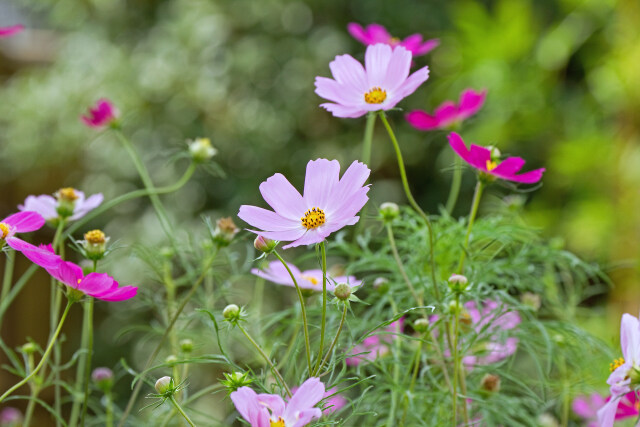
(313, 218)
(279, 423)
(5, 230)
(313, 280)
(491, 165)
(375, 96)
(616, 364)
(67, 193)
(95, 237)
(394, 41)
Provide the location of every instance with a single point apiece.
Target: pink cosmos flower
(69, 202)
(623, 369)
(375, 346)
(448, 113)
(385, 81)
(103, 114)
(308, 279)
(587, 407)
(24, 222)
(481, 159)
(97, 285)
(270, 410)
(376, 33)
(333, 403)
(9, 31)
(329, 203)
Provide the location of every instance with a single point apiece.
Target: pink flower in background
(620, 382)
(264, 410)
(587, 407)
(24, 222)
(375, 346)
(448, 113)
(308, 279)
(329, 203)
(380, 85)
(10, 31)
(67, 201)
(481, 159)
(10, 417)
(376, 33)
(97, 285)
(103, 114)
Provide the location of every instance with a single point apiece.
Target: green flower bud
(95, 244)
(201, 150)
(29, 348)
(66, 201)
(264, 245)
(236, 380)
(231, 313)
(186, 345)
(458, 283)
(103, 378)
(421, 325)
(381, 285)
(165, 385)
(389, 211)
(531, 300)
(342, 291)
(171, 360)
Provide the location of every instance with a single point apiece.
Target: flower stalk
(472, 217)
(323, 320)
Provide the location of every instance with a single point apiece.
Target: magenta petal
(68, 273)
(377, 34)
(422, 121)
(479, 156)
(9, 31)
(121, 294)
(447, 113)
(24, 222)
(530, 177)
(357, 32)
(411, 43)
(508, 166)
(458, 145)
(39, 256)
(471, 102)
(426, 47)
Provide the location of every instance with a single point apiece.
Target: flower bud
(342, 291)
(458, 283)
(103, 378)
(381, 284)
(225, 231)
(29, 348)
(66, 201)
(547, 420)
(10, 417)
(531, 300)
(454, 307)
(389, 211)
(171, 360)
(490, 383)
(95, 244)
(421, 325)
(264, 245)
(495, 153)
(164, 385)
(236, 380)
(186, 345)
(231, 313)
(201, 150)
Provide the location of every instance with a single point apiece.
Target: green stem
(8, 274)
(35, 389)
(166, 333)
(266, 358)
(6, 302)
(367, 140)
(455, 361)
(179, 408)
(335, 340)
(455, 185)
(109, 409)
(302, 309)
(323, 320)
(84, 365)
(396, 372)
(87, 370)
(472, 217)
(412, 202)
(414, 376)
(45, 356)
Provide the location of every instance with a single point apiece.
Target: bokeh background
(563, 92)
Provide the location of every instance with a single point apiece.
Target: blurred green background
(561, 75)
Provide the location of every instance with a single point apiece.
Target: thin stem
(153, 355)
(335, 340)
(109, 409)
(179, 408)
(323, 320)
(266, 358)
(414, 375)
(472, 217)
(55, 303)
(302, 308)
(8, 274)
(87, 370)
(84, 365)
(455, 361)
(35, 389)
(367, 140)
(396, 371)
(456, 181)
(45, 356)
(22, 281)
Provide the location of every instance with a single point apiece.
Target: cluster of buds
(224, 232)
(201, 150)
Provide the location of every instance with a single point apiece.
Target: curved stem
(323, 320)
(367, 140)
(302, 308)
(472, 216)
(455, 185)
(179, 408)
(45, 356)
(266, 358)
(335, 340)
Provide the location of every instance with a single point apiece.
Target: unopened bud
(225, 231)
(236, 380)
(458, 283)
(531, 300)
(167, 252)
(342, 291)
(201, 150)
(95, 244)
(66, 201)
(103, 378)
(495, 153)
(490, 383)
(264, 245)
(186, 345)
(231, 313)
(421, 325)
(389, 211)
(171, 360)
(547, 420)
(164, 385)
(381, 284)
(29, 348)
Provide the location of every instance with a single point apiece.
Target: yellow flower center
(313, 218)
(394, 41)
(491, 165)
(313, 280)
(279, 423)
(68, 194)
(616, 364)
(4, 228)
(375, 96)
(95, 237)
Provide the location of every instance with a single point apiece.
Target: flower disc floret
(4, 228)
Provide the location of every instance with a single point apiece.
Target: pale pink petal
(267, 220)
(82, 208)
(336, 92)
(344, 111)
(413, 82)
(398, 69)
(44, 204)
(353, 179)
(274, 403)
(306, 397)
(304, 417)
(310, 237)
(283, 236)
(606, 414)
(349, 72)
(321, 178)
(24, 222)
(630, 337)
(246, 402)
(376, 61)
(586, 408)
(283, 197)
(348, 207)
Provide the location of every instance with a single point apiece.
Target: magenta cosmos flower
(380, 85)
(376, 33)
(481, 158)
(625, 375)
(24, 222)
(308, 279)
(586, 407)
(375, 346)
(103, 114)
(329, 203)
(270, 410)
(448, 113)
(68, 203)
(9, 31)
(97, 285)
